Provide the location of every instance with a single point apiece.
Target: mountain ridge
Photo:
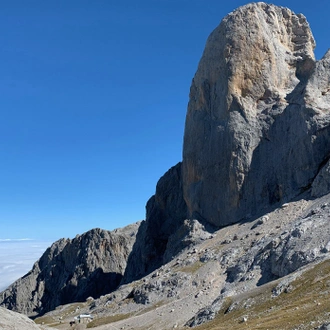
(71, 270)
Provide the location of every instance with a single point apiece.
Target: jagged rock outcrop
(257, 127)
(14, 321)
(304, 241)
(166, 230)
(165, 214)
(72, 270)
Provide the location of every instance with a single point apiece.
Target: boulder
(14, 321)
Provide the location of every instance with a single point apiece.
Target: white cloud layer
(17, 257)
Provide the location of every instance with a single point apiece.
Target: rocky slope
(71, 270)
(273, 272)
(14, 321)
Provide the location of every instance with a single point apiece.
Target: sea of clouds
(17, 257)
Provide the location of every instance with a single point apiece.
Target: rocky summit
(257, 128)
(237, 235)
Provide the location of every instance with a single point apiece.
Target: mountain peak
(247, 141)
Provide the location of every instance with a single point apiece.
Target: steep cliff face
(257, 126)
(166, 230)
(166, 211)
(91, 264)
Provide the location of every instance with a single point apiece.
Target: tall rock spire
(252, 135)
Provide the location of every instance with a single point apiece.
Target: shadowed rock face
(166, 211)
(257, 125)
(91, 264)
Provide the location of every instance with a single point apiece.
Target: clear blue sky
(93, 102)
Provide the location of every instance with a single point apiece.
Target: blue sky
(93, 102)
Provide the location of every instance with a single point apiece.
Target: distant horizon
(16, 239)
(19, 259)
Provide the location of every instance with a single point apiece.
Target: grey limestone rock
(166, 212)
(190, 233)
(160, 288)
(14, 321)
(321, 184)
(203, 316)
(256, 135)
(307, 241)
(284, 256)
(72, 270)
(257, 125)
(206, 314)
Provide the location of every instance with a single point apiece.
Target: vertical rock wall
(252, 135)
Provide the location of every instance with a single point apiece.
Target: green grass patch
(193, 268)
(44, 320)
(72, 307)
(107, 320)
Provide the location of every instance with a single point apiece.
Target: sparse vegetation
(107, 320)
(73, 308)
(45, 320)
(65, 311)
(152, 307)
(307, 305)
(192, 268)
